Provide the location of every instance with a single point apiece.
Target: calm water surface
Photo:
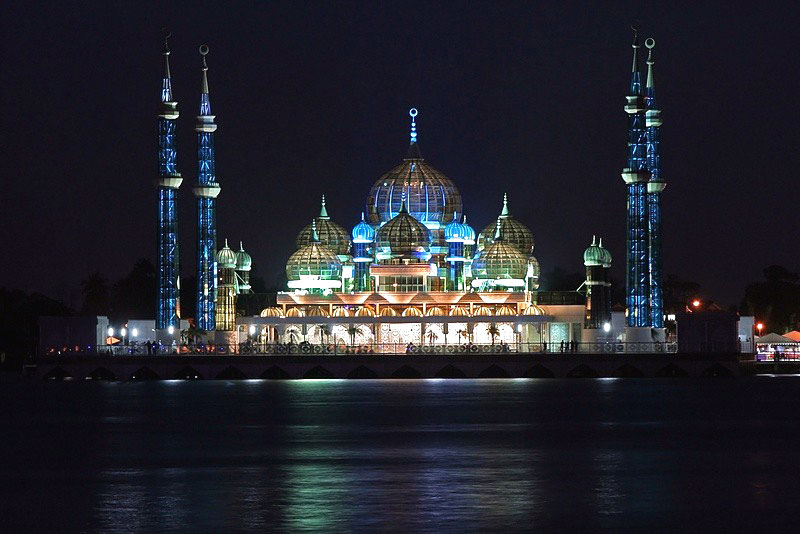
(443, 455)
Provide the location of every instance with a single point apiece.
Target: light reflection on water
(402, 455)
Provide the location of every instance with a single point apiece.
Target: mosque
(412, 272)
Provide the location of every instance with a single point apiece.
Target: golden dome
(295, 312)
(388, 312)
(461, 311)
(412, 312)
(341, 312)
(533, 309)
(365, 311)
(434, 311)
(505, 310)
(317, 311)
(272, 311)
(482, 310)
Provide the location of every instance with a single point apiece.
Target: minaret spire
(655, 187)
(206, 191)
(169, 180)
(505, 213)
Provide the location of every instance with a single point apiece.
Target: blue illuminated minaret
(654, 189)
(636, 176)
(206, 191)
(169, 180)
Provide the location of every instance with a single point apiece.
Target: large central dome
(431, 197)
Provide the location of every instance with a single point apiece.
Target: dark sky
(310, 98)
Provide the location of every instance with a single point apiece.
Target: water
(432, 455)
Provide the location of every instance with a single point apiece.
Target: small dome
(533, 309)
(459, 311)
(341, 312)
(506, 310)
(593, 255)
(606, 254)
(272, 311)
(469, 233)
(317, 311)
(434, 311)
(330, 234)
(295, 312)
(500, 261)
(482, 310)
(404, 237)
(314, 259)
(454, 232)
(226, 258)
(362, 232)
(388, 312)
(365, 311)
(243, 259)
(412, 312)
(514, 232)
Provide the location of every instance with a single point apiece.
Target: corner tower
(206, 191)
(637, 241)
(169, 180)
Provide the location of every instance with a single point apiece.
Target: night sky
(313, 98)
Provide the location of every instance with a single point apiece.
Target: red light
(696, 303)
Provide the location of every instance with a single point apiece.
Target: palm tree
(324, 333)
(493, 331)
(353, 330)
(431, 337)
(192, 334)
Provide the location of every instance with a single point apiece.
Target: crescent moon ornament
(203, 50)
(413, 112)
(650, 43)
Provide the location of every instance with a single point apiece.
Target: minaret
(597, 316)
(655, 187)
(169, 180)
(637, 242)
(206, 191)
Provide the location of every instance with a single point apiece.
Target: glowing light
(413, 113)
(110, 331)
(696, 303)
(135, 332)
(606, 327)
(170, 330)
(123, 332)
(760, 326)
(252, 329)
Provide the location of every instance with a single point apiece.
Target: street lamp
(170, 330)
(606, 327)
(696, 303)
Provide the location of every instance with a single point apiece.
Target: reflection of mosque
(413, 271)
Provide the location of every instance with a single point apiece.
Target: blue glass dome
(469, 233)
(454, 232)
(362, 232)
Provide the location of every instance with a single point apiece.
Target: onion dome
(500, 260)
(431, 196)
(243, 259)
(404, 237)
(272, 311)
(362, 232)
(226, 258)
(454, 232)
(606, 254)
(533, 309)
(330, 234)
(469, 233)
(593, 255)
(315, 261)
(514, 232)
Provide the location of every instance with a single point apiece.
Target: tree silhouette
(95, 295)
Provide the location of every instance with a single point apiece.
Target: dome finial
(226, 243)
(403, 202)
(504, 213)
(314, 234)
(241, 247)
(600, 244)
(362, 215)
(650, 43)
(413, 114)
(323, 211)
(594, 240)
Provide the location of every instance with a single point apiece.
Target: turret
(455, 235)
(206, 191)
(363, 238)
(597, 261)
(243, 265)
(227, 289)
(168, 182)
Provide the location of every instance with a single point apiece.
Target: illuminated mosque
(412, 272)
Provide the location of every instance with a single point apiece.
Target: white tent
(773, 338)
